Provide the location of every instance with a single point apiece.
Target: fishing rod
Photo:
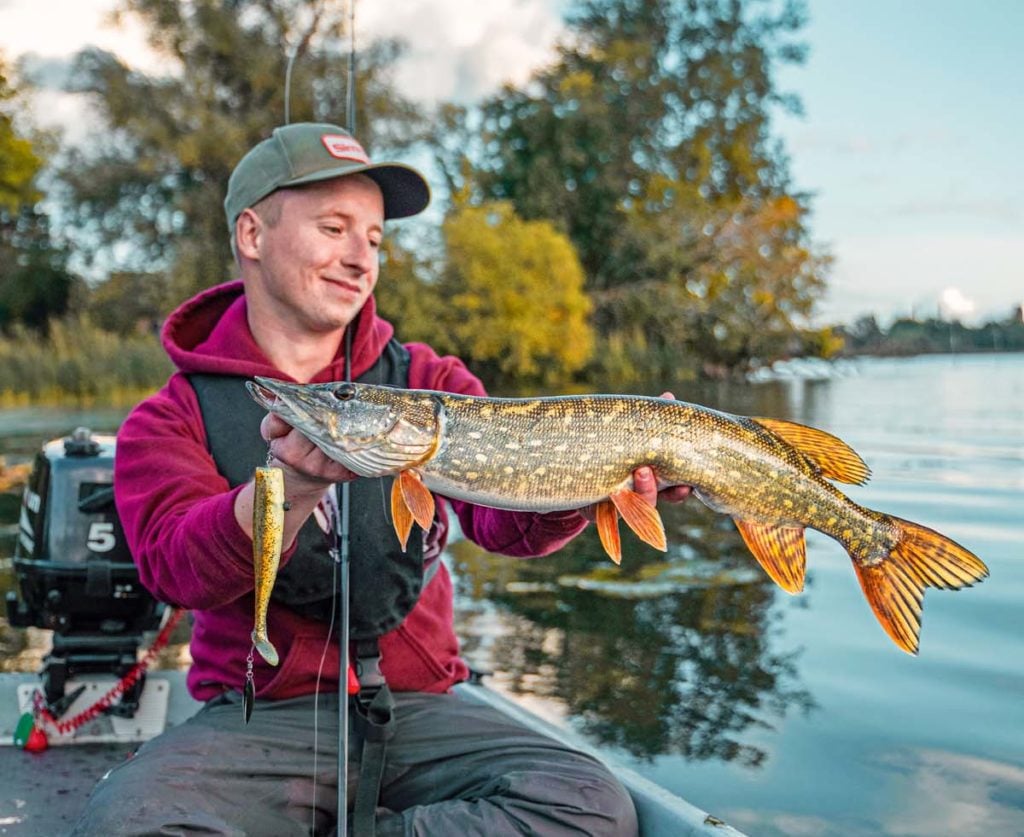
(343, 517)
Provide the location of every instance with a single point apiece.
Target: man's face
(317, 262)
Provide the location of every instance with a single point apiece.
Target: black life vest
(385, 581)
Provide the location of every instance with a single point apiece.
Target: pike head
(371, 430)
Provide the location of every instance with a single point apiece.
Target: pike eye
(344, 392)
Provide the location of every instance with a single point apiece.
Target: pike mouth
(262, 394)
(278, 397)
(304, 408)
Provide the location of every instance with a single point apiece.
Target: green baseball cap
(307, 152)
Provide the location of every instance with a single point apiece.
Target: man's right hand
(307, 468)
(308, 473)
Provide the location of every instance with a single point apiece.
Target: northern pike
(267, 535)
(568, 452)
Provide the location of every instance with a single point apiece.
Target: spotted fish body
(267, 537)
(568, 452)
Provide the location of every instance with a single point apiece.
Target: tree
(515, 297)
(147, 191)
(19, 162)
(652, 127)
(34, 283)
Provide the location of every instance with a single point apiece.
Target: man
(306, 210)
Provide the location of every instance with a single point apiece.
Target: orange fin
(894, 586)
(608, 528)
(836, 459)
(418, 498)
(641, 517)
(401, 517)
(781, 550)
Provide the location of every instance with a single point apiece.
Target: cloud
(950, 793)
(459, 49)
(954, 304)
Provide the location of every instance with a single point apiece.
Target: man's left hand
(645, 483)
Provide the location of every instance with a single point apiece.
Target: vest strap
(373, 716)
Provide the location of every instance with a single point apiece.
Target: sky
(909, 142)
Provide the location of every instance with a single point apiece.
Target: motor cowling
(71, 561)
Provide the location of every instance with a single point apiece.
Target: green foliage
(78, 361)
(909, 336)
(19, 163)
(516, 305)
(34, 283)
(648, 142)
(129, 303)
(146, 193)
(408, 293)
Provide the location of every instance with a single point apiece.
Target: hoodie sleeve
(519, 534)
(176, 509)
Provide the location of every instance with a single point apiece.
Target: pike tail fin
(894, 586)
(266, 648)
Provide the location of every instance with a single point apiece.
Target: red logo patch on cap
(344, 148)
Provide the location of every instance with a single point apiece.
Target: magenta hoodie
(178, 515)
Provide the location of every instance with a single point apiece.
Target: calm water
(783, 715)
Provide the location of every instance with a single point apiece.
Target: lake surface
(784, 715)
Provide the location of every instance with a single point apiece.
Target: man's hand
(308, 470)
(645, 483)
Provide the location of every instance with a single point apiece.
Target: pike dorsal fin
(780, 550)
(607, 520)
(836, 459)
(641, 517)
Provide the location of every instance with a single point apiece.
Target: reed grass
(78, 362)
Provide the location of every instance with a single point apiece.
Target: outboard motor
(74, 570)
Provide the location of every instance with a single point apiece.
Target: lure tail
(894, 586)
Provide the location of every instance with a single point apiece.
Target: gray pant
(453, 768)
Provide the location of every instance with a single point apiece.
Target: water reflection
(688, 664)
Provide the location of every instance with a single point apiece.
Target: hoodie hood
(209, 334)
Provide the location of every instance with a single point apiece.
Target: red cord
(125, 683)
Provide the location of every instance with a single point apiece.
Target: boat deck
(43, 793)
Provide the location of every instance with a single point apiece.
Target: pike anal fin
(411, 501)
(780, 550)
(607, 520)
(641, 517)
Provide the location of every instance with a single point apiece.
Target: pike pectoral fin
(781, 550)
(641, 517)
(418, 498)
(401, 517)
(836, 459)
(607, 520)
(411, 501)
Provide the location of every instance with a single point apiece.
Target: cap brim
(405, 190)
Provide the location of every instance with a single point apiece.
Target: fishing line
(323, 657)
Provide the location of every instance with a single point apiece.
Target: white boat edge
(660, 812)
